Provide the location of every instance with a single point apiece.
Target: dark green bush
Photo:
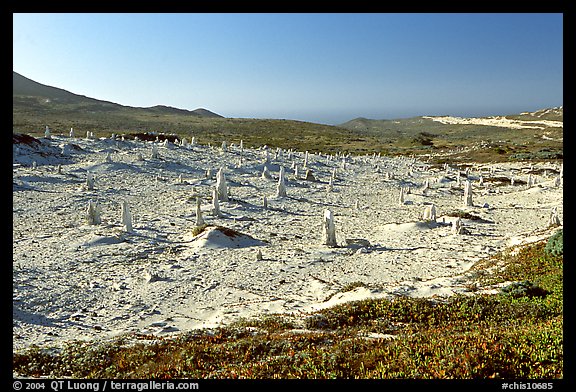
(555, 244)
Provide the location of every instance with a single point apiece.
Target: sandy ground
(498, 121)
(74, 280)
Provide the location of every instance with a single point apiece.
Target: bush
(555, 244)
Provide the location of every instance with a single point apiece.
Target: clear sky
(321, 67)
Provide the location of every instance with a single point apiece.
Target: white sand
(77, 281)
(497, 121)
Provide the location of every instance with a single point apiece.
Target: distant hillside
(524, 136)
(30, 95)
(528, 135)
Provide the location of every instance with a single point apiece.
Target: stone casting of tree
(310, 175)
(430, 213)
(89, 181)
(401, 199)
(468, 194)
(221, 186)
(330, 186)
(155, 153)
(215, 203)
(71, 133)
(126, 217)
(329, 229)
(47, 133)
(93, 213)
(266, 173)
(554, 220)
(458, 227)
(281, 187)
(199, 217)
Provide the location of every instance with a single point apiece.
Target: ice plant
(329, 229)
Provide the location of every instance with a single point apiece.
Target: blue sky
(320, 67)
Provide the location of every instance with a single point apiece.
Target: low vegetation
(517, 333)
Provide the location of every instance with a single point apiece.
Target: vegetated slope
(36, 106)
(30, 98)
(528, 135)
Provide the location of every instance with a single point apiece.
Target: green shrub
(555, 244)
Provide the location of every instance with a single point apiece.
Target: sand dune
(75, 280)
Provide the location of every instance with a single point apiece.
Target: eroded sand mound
(219, 237)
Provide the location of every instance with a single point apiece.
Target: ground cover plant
(515, 333)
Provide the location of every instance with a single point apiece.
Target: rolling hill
(28, 94)
(527, 135)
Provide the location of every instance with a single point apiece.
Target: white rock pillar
(468, 194)
(266, 173)
(155, 153)
(281, 187)
(221, 186)
(215, 203)
(554, 220)
(93, 213)
(89, 181)
(329, 229)
(199, 217)
(126, 217)
(458, 227)
(430, 213)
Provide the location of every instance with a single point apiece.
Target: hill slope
(520, 136)
(28, 94)
(536, 135)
